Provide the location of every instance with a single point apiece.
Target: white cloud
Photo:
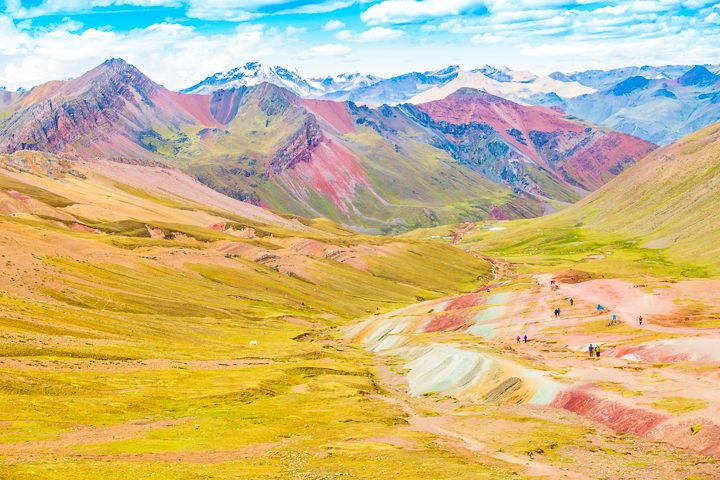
(333, 25)
(326, 50)
(344, 35)
(487, 38)
(405, 11)
(322, 7)
(50, 7)
(227, 10)
(291, 31)
(374, 34)
(171, 54)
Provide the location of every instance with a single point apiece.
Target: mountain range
(657, 103)
(660, 110)
(468, 156)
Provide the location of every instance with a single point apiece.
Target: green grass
(680, 405)
(90, 347)
(37, 193)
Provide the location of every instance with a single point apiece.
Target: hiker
(518, 338)
(525, 338)
(552, 282)
(488, 290)
(597, 351)
(590, 350)
(640, 319)
(558, 310)
(572, 302)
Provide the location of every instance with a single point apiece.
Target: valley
(154, 327)
(238, 270)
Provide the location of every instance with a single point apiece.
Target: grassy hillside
(657, 218)
(137, 342)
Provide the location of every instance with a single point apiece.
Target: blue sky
(179, 42)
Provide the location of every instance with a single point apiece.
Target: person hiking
(640, 319)
(525, 338)
(590, 350)
(558, 310)
(572, 302)
(597, 351)
(518, 338)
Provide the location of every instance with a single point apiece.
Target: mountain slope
(659, 110)
(128, 312)
(604, 79)
(111, 110)
(396, 89)
(659, 217)
(521, 89)
(571, 153)
(669, 199)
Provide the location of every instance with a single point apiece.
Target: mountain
(668, 200)
(380, 170)
(344, 82)
(255, 73)
(657, 217)
(604, 79)
(658, 110)
(109, 111)
(397, 89)
(520, 90)
(533, 148)
(505, 74)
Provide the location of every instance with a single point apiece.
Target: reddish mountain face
(575, 153)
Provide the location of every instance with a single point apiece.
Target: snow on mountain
(516, 86)
(254, 73)
(345, 81)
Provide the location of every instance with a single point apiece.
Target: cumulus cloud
(333, 25)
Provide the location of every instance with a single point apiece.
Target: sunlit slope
(669, 200)
(660, 217)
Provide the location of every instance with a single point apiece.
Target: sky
(179, 42)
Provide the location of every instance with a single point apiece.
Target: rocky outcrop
(299, 148)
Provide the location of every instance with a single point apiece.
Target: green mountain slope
(658, 217)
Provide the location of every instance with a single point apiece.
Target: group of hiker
(592, 349)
